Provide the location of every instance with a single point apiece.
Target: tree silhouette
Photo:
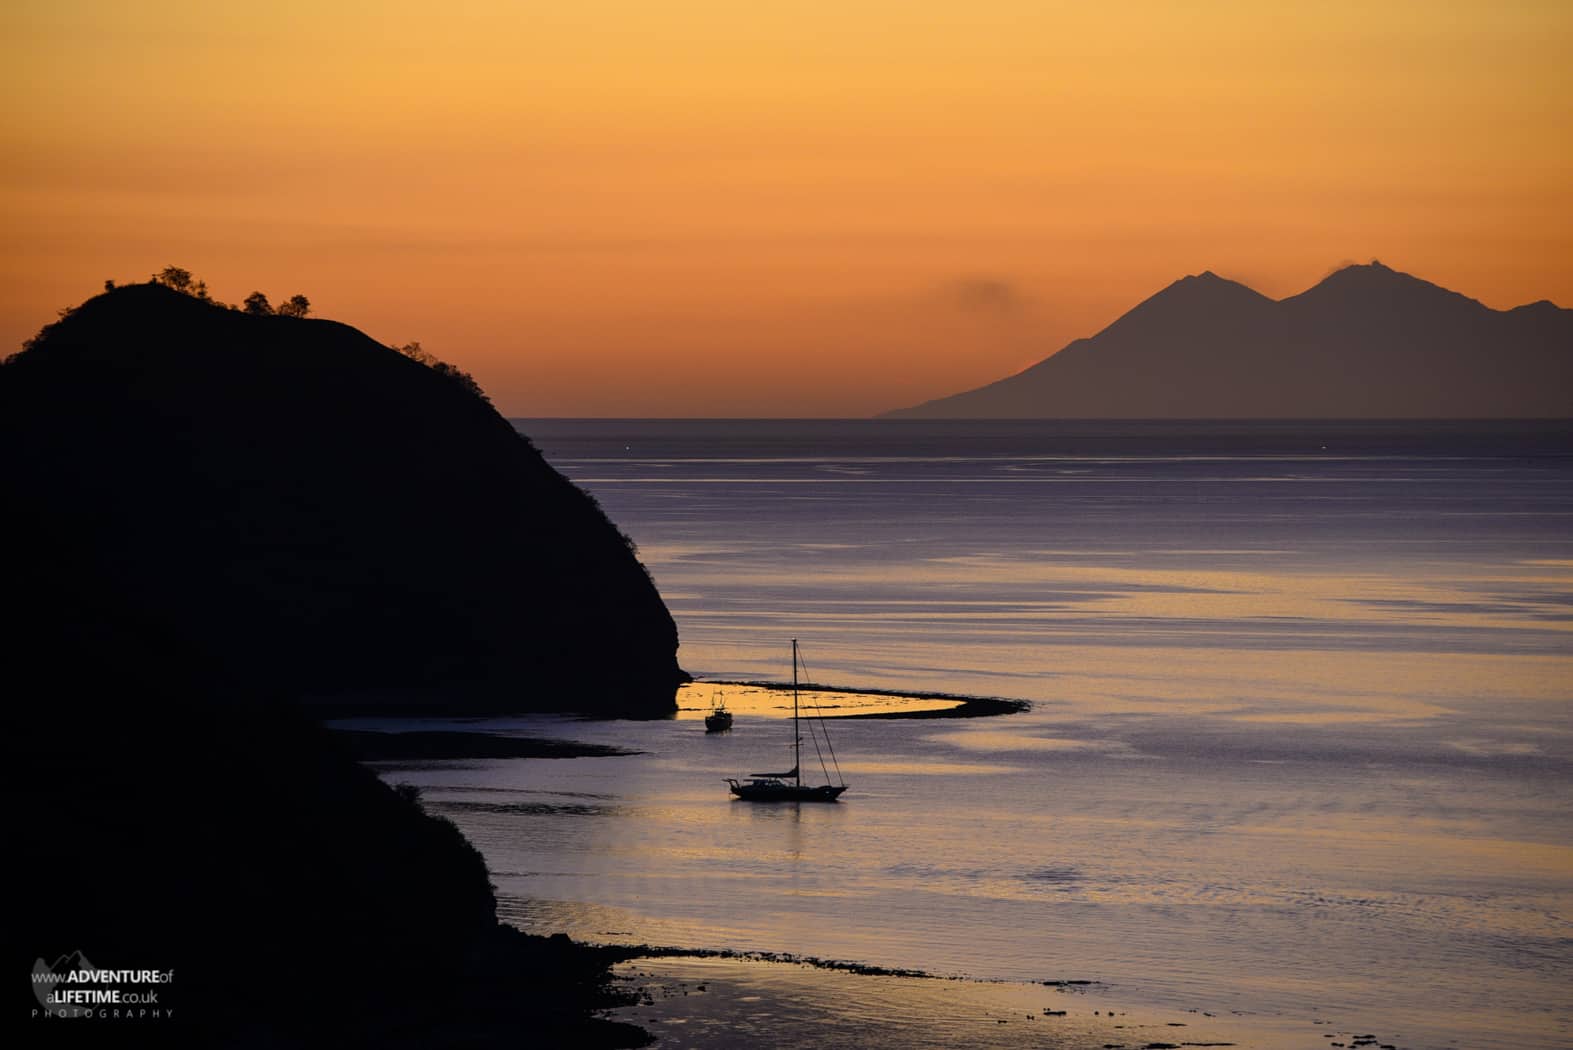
(175, 277)
(415, 352)
(179, 279)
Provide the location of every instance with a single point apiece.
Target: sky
(696, 208)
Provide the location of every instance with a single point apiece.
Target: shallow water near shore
(1300, 746)
(699, 1004)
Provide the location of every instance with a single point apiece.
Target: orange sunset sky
(700, 208)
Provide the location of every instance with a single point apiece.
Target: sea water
(1301, 741)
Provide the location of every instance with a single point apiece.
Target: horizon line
(907, 420)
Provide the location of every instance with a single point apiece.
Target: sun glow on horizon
(711, 209)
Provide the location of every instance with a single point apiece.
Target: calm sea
(1301, 742)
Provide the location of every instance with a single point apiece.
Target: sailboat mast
(797, 741)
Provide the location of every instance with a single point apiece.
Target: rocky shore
(713, 1001)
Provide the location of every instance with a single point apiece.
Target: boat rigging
(789, 786)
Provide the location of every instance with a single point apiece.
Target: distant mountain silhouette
(302, 510)
(1367, 342)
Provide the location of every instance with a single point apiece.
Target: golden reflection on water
(696, 699)
(1113, 635)
(1023, 586)
(991, 739)
(928, 768)
(1297, 686)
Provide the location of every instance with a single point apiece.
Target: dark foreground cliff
(320, 516)
(217, 528)
(293, 898)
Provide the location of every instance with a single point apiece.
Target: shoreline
(374, 745)
(704, 1000)
(660, 951)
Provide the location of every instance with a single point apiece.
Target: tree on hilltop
(175, 277)
(178, 278)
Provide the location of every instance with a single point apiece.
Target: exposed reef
(903, 704)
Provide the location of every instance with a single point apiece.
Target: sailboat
(789, 786)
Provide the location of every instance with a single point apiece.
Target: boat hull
(787, 792)
(718, 722)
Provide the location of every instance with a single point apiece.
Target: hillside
(1367, 342)
(298, 900)
(214, 519)
(304, 511)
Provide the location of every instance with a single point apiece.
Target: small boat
(719, 718)
(789, 786)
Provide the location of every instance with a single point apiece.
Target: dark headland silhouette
(221, 525)
(1367, 342)
(321, 516)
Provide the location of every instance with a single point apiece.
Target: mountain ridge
(1366, 341)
